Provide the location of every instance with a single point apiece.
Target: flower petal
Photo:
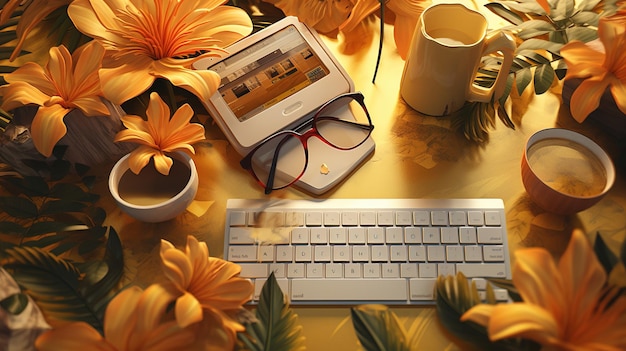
(76, 336)
(582, 61)
(177, 267)
(586, 98)
(120, 316)
(188, 310)
(618, 89)
(48, 128)
(20, 94)
(579, 267)
(34, 75)
(201, 83)
(523, 320)
(115, 81)
(140, 157)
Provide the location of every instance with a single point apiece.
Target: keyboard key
(237, 218)
(349, 290)
(313, 219)
(492, 218)
(241, 253)
(253, 270)
(492, 270)
(475, 218)
(422, 289)
(490, 235)
(332, 219)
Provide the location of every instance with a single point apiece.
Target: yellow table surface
(415, 157)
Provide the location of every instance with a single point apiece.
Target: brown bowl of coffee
(565, 172)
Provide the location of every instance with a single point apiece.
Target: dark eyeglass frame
(313, 131)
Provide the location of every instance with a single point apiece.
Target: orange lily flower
(150, 39)
(567, 306)
(206, 284)
(66, 83)
(599, 70)
(159, 135)
(132, 322)
(36, 11)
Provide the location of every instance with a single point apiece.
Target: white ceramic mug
(447, 46)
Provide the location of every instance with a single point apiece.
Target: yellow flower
(67, 82)
(133, 321)
(599, 70)
(159, 135)
(206, 283)
(566, 306)
(33, 14)
(149, 39)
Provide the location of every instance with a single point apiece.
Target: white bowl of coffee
(151, 196)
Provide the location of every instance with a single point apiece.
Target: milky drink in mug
(444, 56)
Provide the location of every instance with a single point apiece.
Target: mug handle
(504, 43)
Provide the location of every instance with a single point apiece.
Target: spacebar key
(348, 290)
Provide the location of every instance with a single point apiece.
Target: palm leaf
(379, 329)
(58, 287)
(276, 328)
(606, 257)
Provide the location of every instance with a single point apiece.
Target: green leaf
(61, 206)
(46, 227)
(7, 227)
(584, 34)
(379, 329)
(68, 191)
(18, 206)
(586, 18)
(606, 257)
(30, 186)
(59, 169)
(534, 28)
(504, 13)
(522, 79)
(563, 10)
(544, 76)
(99, 294)
(561, 69)
(81, 169)
(15, 304)
(276, 328)
(57, 285)
(539, 44)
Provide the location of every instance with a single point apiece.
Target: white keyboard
(356, 251)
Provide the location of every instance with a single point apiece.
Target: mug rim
(434, 7)
(584, 142)
(114, 180)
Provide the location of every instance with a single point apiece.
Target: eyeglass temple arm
(269, 185)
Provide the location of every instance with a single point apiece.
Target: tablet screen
(267, 72)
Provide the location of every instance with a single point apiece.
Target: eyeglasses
(281, 159)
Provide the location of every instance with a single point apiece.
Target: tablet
(272, 80)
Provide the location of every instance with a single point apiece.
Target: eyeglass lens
(343, 124)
